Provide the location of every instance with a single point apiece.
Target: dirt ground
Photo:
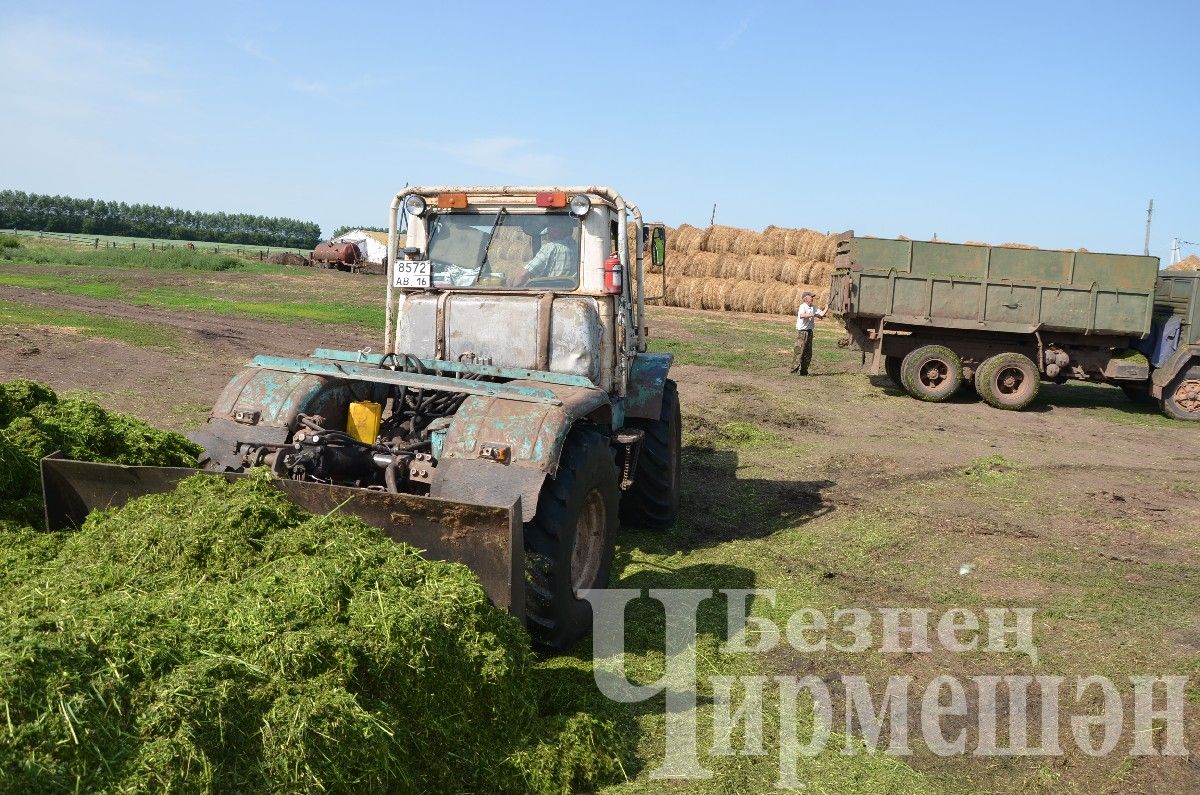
(1085, 507)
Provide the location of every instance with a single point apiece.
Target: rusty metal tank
(326, 254)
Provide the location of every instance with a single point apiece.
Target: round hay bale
(698, 264)
(772, 242)
(975, 243)
(795, 270)
(715, 295)
(1018, 245)
(719, 239)
(781, 299)
(745, 243)
(686, 239)
(765, 269)
(732, 267)
(746, 296)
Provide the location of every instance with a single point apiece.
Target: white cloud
(513, 157)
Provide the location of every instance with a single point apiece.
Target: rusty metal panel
(417, 332)
(485, 536)
(575, 337)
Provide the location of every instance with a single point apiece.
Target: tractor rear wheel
(1181, 397)
(891, 366)
(931, 372)
(653, 499)
(1008, 381)
(569, 543)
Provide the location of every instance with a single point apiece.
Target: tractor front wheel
(569, 543)
(653, 499)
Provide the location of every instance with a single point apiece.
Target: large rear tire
(569, 543)
(1181, 398)
(1008, 381)
(653, 500)
(932, 373)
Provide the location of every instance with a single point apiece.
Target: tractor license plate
(412, 273)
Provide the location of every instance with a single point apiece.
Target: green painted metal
(514, 373)
(989, 288)
(643, 397)
(378, 375)
(1178, 293)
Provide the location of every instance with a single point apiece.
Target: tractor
(512, 419)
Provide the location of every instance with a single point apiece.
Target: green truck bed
(993, 288)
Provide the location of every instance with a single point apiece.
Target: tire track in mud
(225, 334)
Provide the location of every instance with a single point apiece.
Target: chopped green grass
(131, 332)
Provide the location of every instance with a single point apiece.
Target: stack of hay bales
(724, 268)
(1188, 263)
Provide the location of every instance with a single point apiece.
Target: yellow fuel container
(362, 421)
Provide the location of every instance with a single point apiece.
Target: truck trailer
(939, 317)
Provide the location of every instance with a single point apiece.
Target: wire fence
(158, 244)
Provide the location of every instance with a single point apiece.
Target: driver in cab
(553, 260)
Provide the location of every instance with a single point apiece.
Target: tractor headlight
(580, 204)
(414, 205)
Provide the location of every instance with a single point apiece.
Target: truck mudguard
(1182, 358)
(643, 397)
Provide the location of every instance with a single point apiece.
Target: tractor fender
(647, 375)
(1179, 361)
(531, 433)
(263, 406)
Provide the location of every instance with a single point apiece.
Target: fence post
(96, 244)
(133, 245)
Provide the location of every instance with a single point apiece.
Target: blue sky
(1046, 123)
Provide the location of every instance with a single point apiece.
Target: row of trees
(341, 230)
(20, 210)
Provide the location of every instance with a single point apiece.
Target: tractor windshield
(503, 250)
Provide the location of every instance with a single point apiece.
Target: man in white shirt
(802, 350)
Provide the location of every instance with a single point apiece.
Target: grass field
(834, 492)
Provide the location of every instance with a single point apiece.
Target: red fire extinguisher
(612, 275)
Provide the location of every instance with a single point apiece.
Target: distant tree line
(341, 230)
(20, 210)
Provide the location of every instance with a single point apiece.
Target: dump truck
(938, 317)
(511, 419)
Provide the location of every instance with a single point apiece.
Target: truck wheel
(1181, 398)
(1007, 381)
(891, 366)
(569, 543)
(653, 499)
(931, 372)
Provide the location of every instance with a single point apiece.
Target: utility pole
(1149, 217)
(1175, 251)
(713, 219)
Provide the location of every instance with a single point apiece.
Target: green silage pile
(219, 638)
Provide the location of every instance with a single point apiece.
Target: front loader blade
(485, 538)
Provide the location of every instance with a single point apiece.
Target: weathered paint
(513, 373)
(646, 379)
(378, 375)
